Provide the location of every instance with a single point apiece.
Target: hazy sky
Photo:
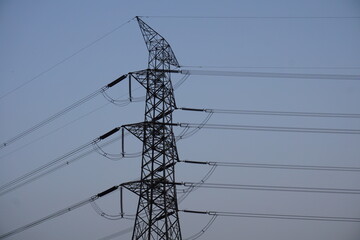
(60, 48)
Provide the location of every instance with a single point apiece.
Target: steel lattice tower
(157, 211)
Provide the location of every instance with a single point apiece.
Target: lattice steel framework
(157, 211)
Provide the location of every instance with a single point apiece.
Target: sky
(53, 53)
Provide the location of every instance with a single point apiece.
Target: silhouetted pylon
(157, 212)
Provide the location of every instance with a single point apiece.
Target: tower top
(155, 43)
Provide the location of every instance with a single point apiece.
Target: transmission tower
(157, 210)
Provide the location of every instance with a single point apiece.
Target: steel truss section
(157, 212)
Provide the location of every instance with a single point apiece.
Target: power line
(114, 101)
(44, 169)
(269, 128)
(52, 165)
(275, 216)
(255, 17)
(29, 177)
(59, 213)
(272, 188)
(272, 75)
(107, 216)
(62, 112)
(203, 230)
(196, 185)
(13, 186)
(46, 166)
(267, 67)
(57, 129)
(275, 166)
(58, 163)
(274, 113)
(213, 213)
(66, 59)
(117, 234)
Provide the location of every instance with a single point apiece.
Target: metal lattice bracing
(157, 212)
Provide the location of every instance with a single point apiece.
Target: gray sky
(37, 35)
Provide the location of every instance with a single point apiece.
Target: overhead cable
(254, 17)
(66, 58)
(271, 67)
(46, 172)
(272, 188)
(273, 113)
(186, 133)
(195, 186)
(53, 131)
(59, 213)
(117, 234)
(115, 156)
(62, 112)
(276, 166)
(52, 165)
(101, 213)
(203, 230)
(59, 162)
(117, 102)
(275, 216)
(269, 128)
(272, 75)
